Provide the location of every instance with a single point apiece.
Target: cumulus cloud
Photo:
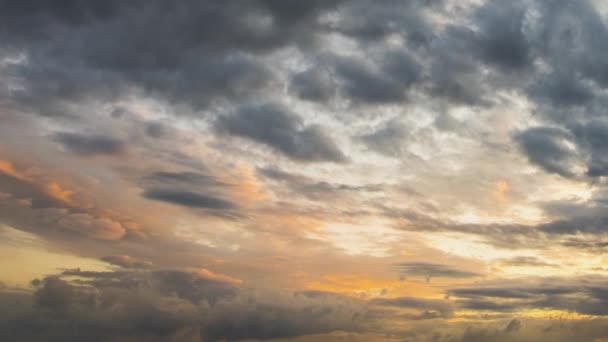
(169, 305)
(155, 110)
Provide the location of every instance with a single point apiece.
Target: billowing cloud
(217, 169)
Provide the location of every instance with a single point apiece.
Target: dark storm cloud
(430, 270)
(278, 128)
(189, 199)
(90, 145)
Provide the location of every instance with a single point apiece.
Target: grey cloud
(72, 60)
(125, 261)
(514, 325)
(170, 305)
(592, 139)
(547, 147)
(582, 295)
(87, 145)
(376, 84)
(407, 19)
(430, 308)
(502, 40)
(561, 89)
(277, 127)
(561, 150)
(185, 178)
(155, 130)
(390, 139)
(314, 84)
(313, 189)
(430, 270)
(524, 261)
(189, 199)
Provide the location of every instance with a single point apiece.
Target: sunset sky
(327, 170)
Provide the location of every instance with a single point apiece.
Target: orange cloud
(100, 228)
(55, 190)
(245, 189)
(500, 191)
(8, 169)
(206, 274)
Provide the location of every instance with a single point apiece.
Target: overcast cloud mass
(359, 170)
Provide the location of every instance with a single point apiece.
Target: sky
(322, 170)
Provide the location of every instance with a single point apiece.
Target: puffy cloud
(278, 128)
(164, 305)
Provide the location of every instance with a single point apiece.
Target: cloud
(199, 69)
(582, 295)
(430, 270)
(430, 308)
(164, 305)
(187, 179)
(548, 148)
(525, 261)
(189, 199)
(98, 227)
(313, 85)
(278, 128)
(46, 207)
(87, 145)
(502, 40)
(155, 130)
(125, 261)
(514, 325)
(317, 190)
(385, 83)
(390, 139)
